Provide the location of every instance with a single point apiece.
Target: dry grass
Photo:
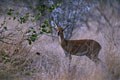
(113, 63)
(14, 61)
(19, 62)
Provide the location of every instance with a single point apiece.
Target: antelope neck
(61, 37)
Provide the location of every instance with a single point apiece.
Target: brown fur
(88, 47)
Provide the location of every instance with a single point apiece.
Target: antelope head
(60, 34)
(60, 31)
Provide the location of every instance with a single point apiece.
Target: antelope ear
(56, 28)
(55, 25)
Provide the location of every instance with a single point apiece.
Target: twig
(7, 42)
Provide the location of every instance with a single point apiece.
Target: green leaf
(37, 17)
(52, 7)
(43, 26)
(29, 41)
(33, 37)
(41, 8)
(44, 30)
(9, 13)
(14, 18)
(11, 10)
(41, 32)
(22, 20)
(34, 31)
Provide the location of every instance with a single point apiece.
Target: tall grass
(14, 61)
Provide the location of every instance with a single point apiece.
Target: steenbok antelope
(87, 47)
